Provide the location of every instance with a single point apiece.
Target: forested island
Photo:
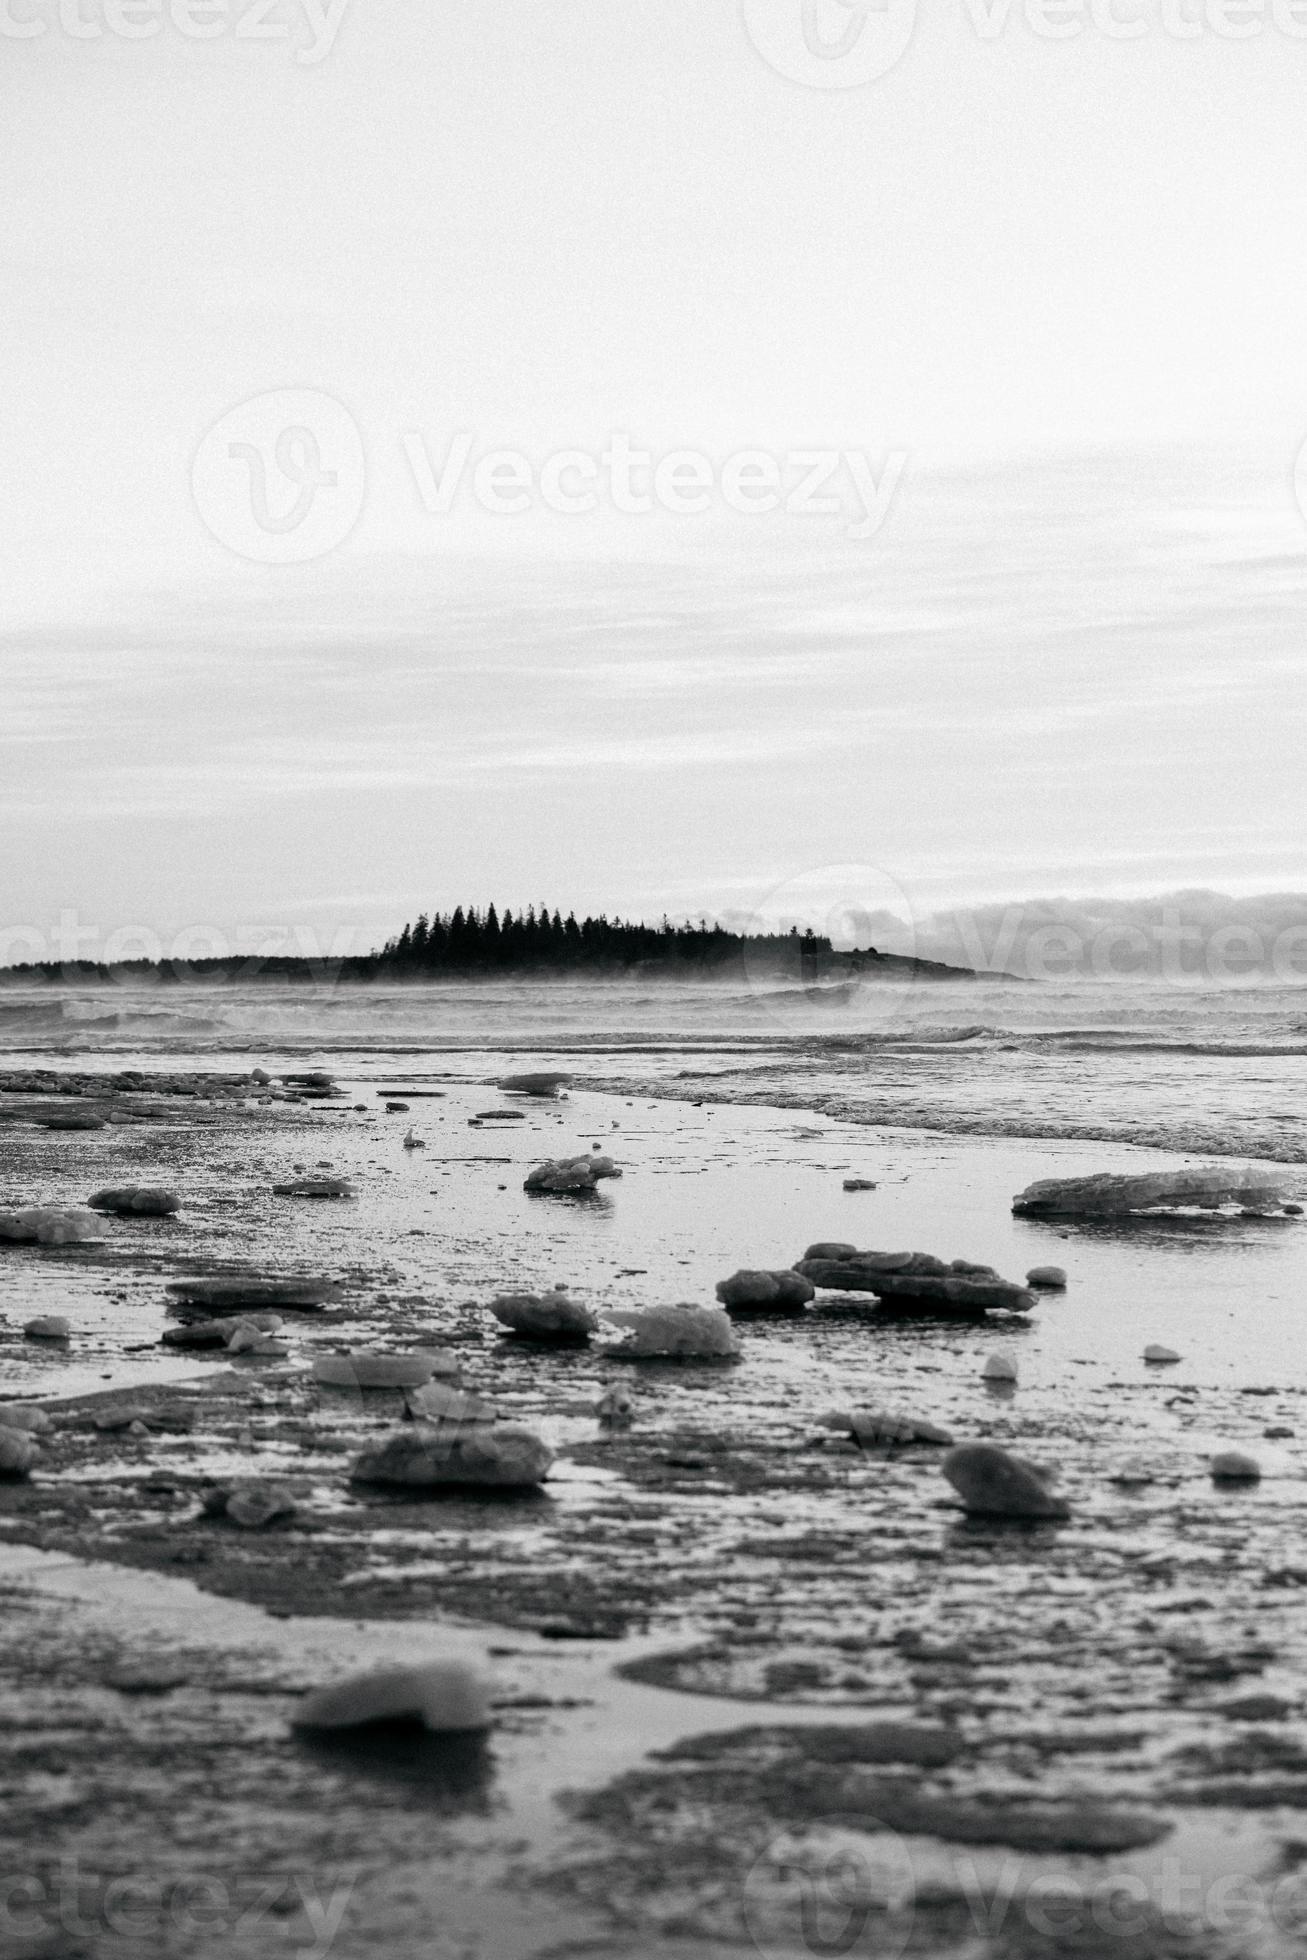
(471, 944)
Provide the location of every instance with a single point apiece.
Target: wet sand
(725, 1568)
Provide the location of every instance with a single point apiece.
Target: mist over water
(1214, 1070)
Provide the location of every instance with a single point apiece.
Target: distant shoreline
(827, 972)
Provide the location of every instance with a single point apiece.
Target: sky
(696, 457)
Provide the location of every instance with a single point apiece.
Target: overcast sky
(1047, 293)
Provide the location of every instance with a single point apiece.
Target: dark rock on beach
(233, 1291)
(135, 1201)
(780, 1290)
(993, 1483)
(550, 1318)
(1109, 1194)
(917, 1282)
(499, 1456)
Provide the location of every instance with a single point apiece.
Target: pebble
(540, 1082)
(859, 1184)
(447, 1697)
(17, 1415)
(48, 1327)
(683, 1332)
(561, 1175)
(50, 1225)
(438, 1402)
(884, 1428)
(1233, 1467)
(993, 1483)
(315, 1187)
(136, 1201)
(615, 1409)
(1051, 1278)
(1000, 1367)
(1160, 1356)
(545, 1317)
(237, 1290)
(18, 1452)
(252, 1504)
(782, 1289)
(499, 1456)
(361, 1370)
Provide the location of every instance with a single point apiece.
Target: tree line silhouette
(468, 941)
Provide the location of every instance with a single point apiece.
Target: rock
(498, 1116)
(780, 1289)
(992, 1483)
(315, 1187)
(1109, 1194)
(914, 1282)
(312, 1082)
(830, 1249)
(1023, 1824)
(570, 1174)
(17, 1415)
(859, 1184)
(252, 1503)
(136, 1201)
(1000, 1367)
(438, 1403)
(261, 1076)
(683, 1333)
(48, 1327)
(545, 1317)
(502, 1456)
(80, 1119)
(361, 1370)
(447, 1697)
(109, 1421)
(615, 1409)
(1292, 1211)
(1159, 1356)
(18, 1452)
(397, 1109)
(220, 1332)
(412, 1142)
(50, 1225)
(1233, 1467)
(884, 1429)
(540, 1082)
(245, 1339)
(234, 1291)
(145, 1677)
(1051, 1279)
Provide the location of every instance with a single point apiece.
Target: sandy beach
(727, 1581)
